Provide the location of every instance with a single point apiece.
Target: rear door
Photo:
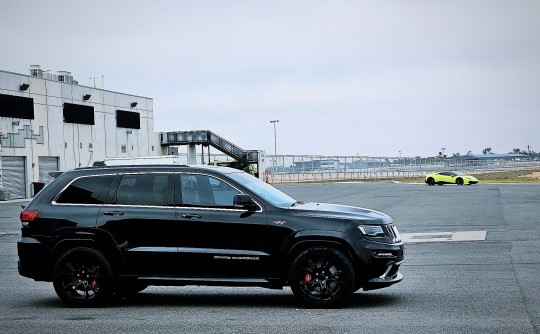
(141, 218)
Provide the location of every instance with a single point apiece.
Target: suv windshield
(266, 191)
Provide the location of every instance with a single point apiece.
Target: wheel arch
(304, 241)
(90, 238)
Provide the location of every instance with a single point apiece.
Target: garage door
(13, 177)
(46, 165)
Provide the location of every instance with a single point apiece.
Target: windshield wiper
(297, 202)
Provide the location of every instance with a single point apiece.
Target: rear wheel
(82, 277)
(459, 181)
(322, 277)
(431, 181)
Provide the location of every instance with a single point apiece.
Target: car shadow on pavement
(239, 299)
(264, 298)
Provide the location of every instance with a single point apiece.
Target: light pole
(275, 140)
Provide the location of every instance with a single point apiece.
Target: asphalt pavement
(490, 284)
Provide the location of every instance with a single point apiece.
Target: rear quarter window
(87, 190)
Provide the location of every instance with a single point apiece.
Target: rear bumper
(31, 261)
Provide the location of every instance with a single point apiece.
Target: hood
(366, 216)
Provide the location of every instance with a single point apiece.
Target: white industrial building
(49, 122)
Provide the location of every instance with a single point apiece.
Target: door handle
(191, 215)
(113, 213)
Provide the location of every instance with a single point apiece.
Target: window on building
(128, 119)
(16, 106)
(79, 114)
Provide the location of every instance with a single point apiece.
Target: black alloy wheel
(321, 277)
(459, 181)
(431, 181)
(82, 277)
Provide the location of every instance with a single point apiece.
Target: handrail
(206, 137)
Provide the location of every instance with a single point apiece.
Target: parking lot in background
(472, 265)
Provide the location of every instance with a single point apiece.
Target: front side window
(264, 190)
(87, 190)
(206, 191)
(143, 189)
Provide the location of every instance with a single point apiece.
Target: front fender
(302, 239)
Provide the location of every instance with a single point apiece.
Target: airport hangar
(49, 122)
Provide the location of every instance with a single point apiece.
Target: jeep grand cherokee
(101, 232)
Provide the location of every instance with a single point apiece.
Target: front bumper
(379, 264)
(391, 276)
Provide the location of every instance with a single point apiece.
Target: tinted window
(143, 189)
(207, 191)
(87, 190)
(262, 189)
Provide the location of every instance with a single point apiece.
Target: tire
(322, 277)
(82, 277)
(430, 181)
(459, 181)
(440, 183)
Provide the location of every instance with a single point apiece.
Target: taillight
(28, 216)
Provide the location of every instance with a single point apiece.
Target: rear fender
(100, 240)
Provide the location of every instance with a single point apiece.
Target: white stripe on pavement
(444, 236)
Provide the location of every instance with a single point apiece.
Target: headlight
(382, 233)
(371, 230)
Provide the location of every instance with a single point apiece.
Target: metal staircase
(208, 138)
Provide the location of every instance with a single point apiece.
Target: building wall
(75, 145)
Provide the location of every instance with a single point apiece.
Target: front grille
(392, 232)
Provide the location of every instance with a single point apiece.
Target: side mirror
(244, 201)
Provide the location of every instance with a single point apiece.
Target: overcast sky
(342, 77)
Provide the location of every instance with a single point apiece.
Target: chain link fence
(302, 168)
(313, 168)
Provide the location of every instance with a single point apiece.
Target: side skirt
(271, 283)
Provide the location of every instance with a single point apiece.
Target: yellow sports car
(450, 178)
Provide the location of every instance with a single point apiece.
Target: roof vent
(36, 71)
(65, 76)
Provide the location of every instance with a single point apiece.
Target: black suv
(112, 231)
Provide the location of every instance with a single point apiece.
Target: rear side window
(143, 189)
(87, 190)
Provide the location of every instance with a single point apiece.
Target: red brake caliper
(94, 282)
(308, 277)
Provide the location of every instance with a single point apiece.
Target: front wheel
(321, 277)
(82, 277)
(459, 181)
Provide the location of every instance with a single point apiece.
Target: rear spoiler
(55, 174)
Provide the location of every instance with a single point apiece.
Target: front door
(217, 240)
